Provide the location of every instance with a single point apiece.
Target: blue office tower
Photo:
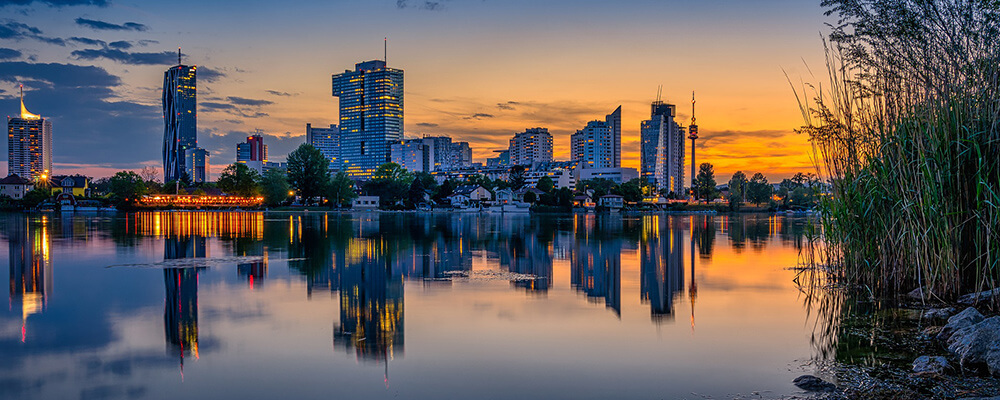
(180, 119)
(371, 115)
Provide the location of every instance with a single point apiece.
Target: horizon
(96, 72)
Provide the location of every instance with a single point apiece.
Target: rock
(970, 316)
(939, 313)
(981, 297)
(811, 383)
(932, 365)
(917, 293)
(978, 344)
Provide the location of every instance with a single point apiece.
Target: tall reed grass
(908, 134)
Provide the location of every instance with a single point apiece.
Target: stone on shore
(939, 313)
(917, 294)
(811, 383)
(968, 317)
(981, 297)
(930, 365)
(978, 344)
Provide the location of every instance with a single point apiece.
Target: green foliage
(238, 179)
(446, 189)
(600, 186)
(36, 196)
(530, 197)
(390, 182)
(545, 184)
(704, 184)
(631, 191)
(758, 190)
(737, 190)
(429, 183)
(274, 186)
(126, 187)
(516, 179)
(340, 190)
(308, 172)
(416, 193)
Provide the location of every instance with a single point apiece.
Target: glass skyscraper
(180, 119)
(662, 149)
(371, 115)
(29, 145)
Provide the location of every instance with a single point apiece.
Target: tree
(417, 192)
(428, 180)
(758, 190)
(545, 184)
(240, 180)
(600, 186)
(516, 178)
(36, 196)
(308, 171)
(737, 190)
(530, 197)
(340, 190)
(704, 184)
(631, 191)
(447, 188)
(126, 187)
(390, 182)
(274, 186)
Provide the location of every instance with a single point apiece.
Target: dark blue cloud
(120, 45)
(206, 74)
(9, 54)
(87, 41)
(13, 30)
(55, 3)
(161, 58)
(242, 101)
(108, 26)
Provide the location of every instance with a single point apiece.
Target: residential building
(450, 155)
(531, 146)
(662, 149)
(563, 173)
(616, 175)
(253, 153)
(196, 164)
(15, 187)
(371, 115)
(416, 155)
(180, 118)
(269, 165)
(29, 145)
(327, 140)
(502, 160)
(461, 155)
(77, 185)
(599, 144)
(463, 174)
(366, 202)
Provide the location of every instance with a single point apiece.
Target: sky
(475, 70)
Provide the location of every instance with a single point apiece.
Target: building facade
(371, 115)
(599, 144)
(662, 151)
(253, 153)
(196, 165)
(531, 146)
(502, 160)
(29, 145)
(327, 141)
(180, 119)
(416, 155)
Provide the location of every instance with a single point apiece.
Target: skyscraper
(663, 148)
(599, 144)
(415, 155)
(371, 115)
(180, 118)
(327, 141)
(531, 146)
(196, 164)
(253, 153)
(29, 145)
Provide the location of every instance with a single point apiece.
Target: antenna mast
(178, 56)
(385, 51)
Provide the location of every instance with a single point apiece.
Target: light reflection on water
(210, 305)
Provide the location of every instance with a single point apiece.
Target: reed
(906, 132)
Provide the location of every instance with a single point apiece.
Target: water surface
(276, 305)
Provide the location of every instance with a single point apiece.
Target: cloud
(479, 116)
(107, 26)
(427, 125)
(88, 41)
(508, 106)
(426, 5)
(242, 101)
(55, 3)
(9, 54)
(13, 30)
(283, 94)
(120, 45)
(161, 58)
(206, 74)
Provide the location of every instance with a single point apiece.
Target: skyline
(479, 79)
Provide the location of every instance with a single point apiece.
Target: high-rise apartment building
(531, 146)
(662, 149)
(502, 160)
(450, 155)
(415, 155)
(371, 115)
(599, 144)
(180, 118)
(29, 145)
(327, 141)
(196, 164)
(253, 153)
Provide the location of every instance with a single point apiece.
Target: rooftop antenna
(178, 56)
(659, 92)
(385, 51)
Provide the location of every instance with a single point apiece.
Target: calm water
(259, 305)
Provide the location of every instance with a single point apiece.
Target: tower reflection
(595, 262)
(371, 303)
(30, 266)
(661, 252)
(180, 308)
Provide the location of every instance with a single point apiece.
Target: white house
(505, 196)
(15, 187)
(613, 201)
(474, 192)
(366, 203)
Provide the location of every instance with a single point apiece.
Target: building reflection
(180, 309)
(30, 266)
(661, 253)
(371, 303)
(595, 262)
